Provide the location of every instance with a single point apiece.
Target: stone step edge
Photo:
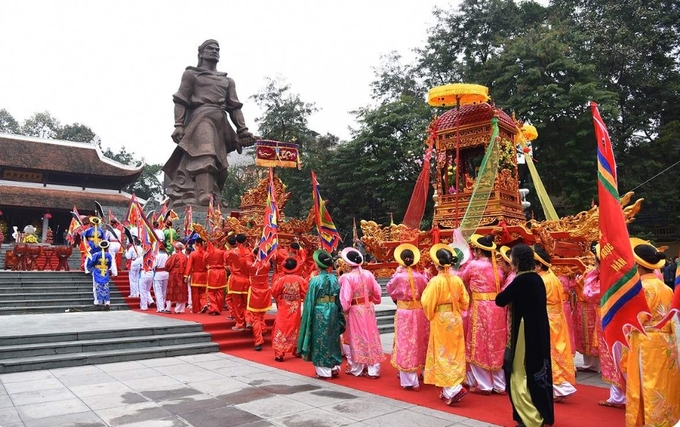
(122, 353)
(77, 308)
(102, 341)
(86, 335)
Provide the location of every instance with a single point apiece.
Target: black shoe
(258, 347)
(204, 309)
(279, 358)
(107, 307)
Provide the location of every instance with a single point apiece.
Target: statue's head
(209, 50)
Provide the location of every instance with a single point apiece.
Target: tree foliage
(8, 123)
(148, 186)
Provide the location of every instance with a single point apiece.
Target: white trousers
(179, 306)
(189, 289)
(592, 363)
(145, 283)
(159, 288)
(133, 276)
(449, 392)
(564, 389)
(487, 380)
(358, 368)
(325, 372)
(409, 379)
(616, 395)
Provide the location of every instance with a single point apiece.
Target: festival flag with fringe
(270, 234)
(623, 298)
(328, 234)
(210, 217)
(133, 212)
(149, 241)
(188, 219)
(75, 227)
(162, 212)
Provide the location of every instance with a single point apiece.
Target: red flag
(622, 296)
(416, 207)
(188, 219)
(328, 234)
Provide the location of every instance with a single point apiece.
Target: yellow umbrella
(454, 94)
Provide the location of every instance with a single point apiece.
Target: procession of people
(496, 324)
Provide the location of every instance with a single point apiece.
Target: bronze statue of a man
(198, 166)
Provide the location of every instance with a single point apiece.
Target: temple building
(41, 180)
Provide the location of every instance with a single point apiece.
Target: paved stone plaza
(208, 390)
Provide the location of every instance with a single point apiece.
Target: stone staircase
(74, 344)
(25, 292)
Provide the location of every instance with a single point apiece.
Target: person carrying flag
(103, 267)
(239, 260)
(177, 291)
(259, 299)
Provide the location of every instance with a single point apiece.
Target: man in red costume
(231, 240)
(197, 274)
(217, 279)
(177, 287)
(259, 300)
(239, 260)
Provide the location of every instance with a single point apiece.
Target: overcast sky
(114, 65)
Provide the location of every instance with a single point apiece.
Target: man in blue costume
(103, 267)
(323, 320)
(93, 235)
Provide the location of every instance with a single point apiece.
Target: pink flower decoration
(48, 216)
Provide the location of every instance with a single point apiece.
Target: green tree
(41, 125)
(8, 123)
(148, 186)
(240, 178)
(285, 118)
(76, 132)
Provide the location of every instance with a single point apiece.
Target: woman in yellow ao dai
(443, 300)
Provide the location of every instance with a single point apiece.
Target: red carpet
(580, 410)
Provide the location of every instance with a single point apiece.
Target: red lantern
(48, 216)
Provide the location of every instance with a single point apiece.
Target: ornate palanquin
(468, 130)
(249, 221)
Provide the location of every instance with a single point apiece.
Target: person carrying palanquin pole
(214, 258)
(359, 291)
(569, 286)
(527, 363)
(197, 274)
(259, 299)
(653, 372)
(177, 289)
(103, 267)
(563, 370)
(411, 328)
(323, 320)
(608, 366)
(238, 261)
(444, 299)
(487, 331)
(289, 292)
